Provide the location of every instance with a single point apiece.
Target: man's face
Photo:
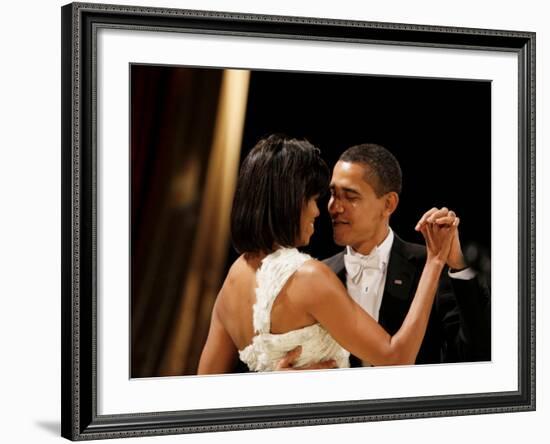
(359, 218)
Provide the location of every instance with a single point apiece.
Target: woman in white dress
(276, 298)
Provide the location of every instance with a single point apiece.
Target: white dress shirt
(366, 284)
(366, 275)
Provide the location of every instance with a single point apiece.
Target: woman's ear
(391, 202)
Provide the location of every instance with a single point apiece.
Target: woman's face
(310, 212)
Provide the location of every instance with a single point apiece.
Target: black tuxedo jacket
(459, 328)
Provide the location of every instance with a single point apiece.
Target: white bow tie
(356, 265)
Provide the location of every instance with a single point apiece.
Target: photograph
(423, 146)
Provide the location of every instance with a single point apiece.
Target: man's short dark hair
(382, 170)
(275, 180)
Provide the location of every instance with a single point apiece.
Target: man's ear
(391, 202)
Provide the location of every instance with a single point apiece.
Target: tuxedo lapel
(401, 279)
(336, 263)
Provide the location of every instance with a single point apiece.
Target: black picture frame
(80, 420)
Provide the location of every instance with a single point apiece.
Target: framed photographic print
(160, 109)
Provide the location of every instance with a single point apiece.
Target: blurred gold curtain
(186, 133)
(208, 252)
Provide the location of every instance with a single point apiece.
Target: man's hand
(287, 362)
(444, 216)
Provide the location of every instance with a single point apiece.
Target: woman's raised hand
(439, 233)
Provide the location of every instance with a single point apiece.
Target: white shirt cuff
(464, 275)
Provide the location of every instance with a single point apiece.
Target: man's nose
(334, 205)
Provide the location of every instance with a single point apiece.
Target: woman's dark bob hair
(276, 178)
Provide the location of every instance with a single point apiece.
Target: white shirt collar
(384, 248)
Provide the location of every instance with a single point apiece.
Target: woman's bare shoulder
(315, 275)
(240, 269)
(315, 284)
(314, 269)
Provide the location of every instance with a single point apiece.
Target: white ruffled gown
(267, 349)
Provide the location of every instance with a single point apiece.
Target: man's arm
(463, 303)
(464, 310)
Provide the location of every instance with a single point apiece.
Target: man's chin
(340, 241)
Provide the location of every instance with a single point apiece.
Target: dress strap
(275, 270)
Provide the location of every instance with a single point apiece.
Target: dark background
(438, 129)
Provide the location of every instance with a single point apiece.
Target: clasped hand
(439, 226)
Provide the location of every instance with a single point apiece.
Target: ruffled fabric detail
(267, 349)
(271, 277)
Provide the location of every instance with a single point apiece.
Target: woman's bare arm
(326, 299)
(219, 354)
(354, 329)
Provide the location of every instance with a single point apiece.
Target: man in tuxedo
(381, 271)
